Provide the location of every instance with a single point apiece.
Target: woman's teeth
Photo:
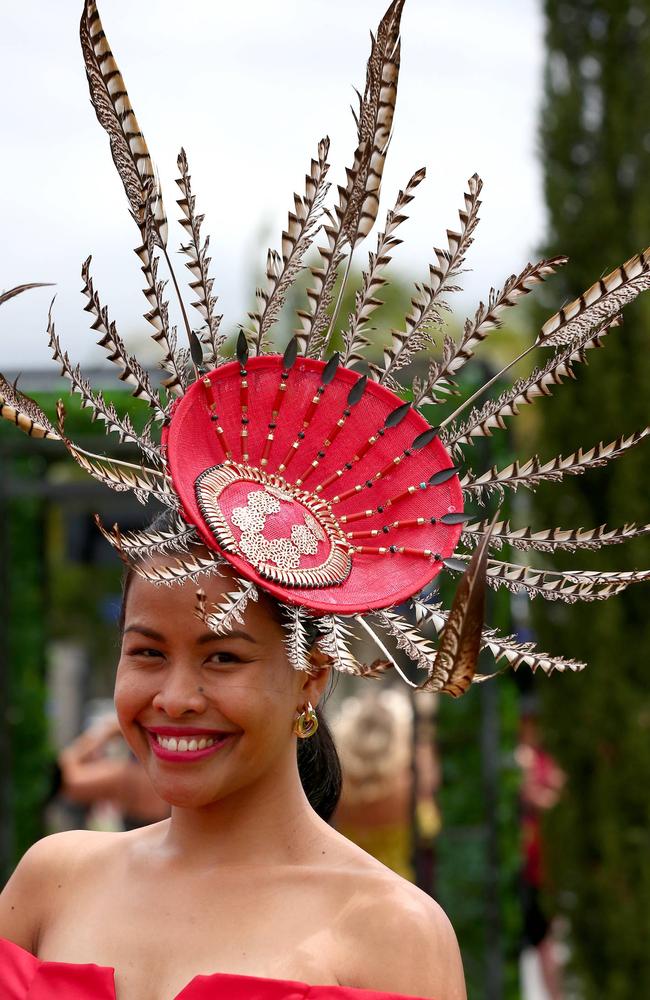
(171, 743)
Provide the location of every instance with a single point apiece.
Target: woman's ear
(314, 681)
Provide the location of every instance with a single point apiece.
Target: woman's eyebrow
(232, 634)
(149, 632)
(201, 641)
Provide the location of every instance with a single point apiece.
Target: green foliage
(30, 755)
(596, 139)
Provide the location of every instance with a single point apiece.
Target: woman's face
(233, 699)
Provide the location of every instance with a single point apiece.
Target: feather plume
(296, 640)
(373, 280)
(502, 647)
(121, 476)
(358, 201)
(440, 379)
(173, 360)
(198, 264)
(19, 289)
(335, 636)
(229, 611)
(541, 382)
(180, 569)
(115, 114)
(552, 539)
(131, 370)
(428, 303)
(179, 538)
(562, 585)
(296, 240)
(100, 409)
(24, 412)
(454, 666)
(416, 646)
(599, 304)
(374, 125)
(533, 471)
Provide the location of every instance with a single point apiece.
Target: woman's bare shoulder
(400, 939)
(46, 870)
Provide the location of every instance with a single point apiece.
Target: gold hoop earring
(306, 724)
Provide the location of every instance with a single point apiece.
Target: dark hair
(319, 766)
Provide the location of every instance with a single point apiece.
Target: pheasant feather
(533, 471)
(553, 539)
(428, 304)
(373, 280)
(600, 303)
(501, 647)
(222, 617)
(177, 539)
(115, 114)
(296, 640)
(296, 240)
(454, 665)
(334, 640)
(24, 412)
(198, 264)
(440, 380)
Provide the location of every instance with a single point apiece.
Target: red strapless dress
(24, 977)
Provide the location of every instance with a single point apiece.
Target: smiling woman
(245, 881)
(306, 490)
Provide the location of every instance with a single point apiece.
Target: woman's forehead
(177, 604)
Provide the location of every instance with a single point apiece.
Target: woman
(245, 879)
(312, 512)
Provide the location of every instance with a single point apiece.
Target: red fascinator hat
(312, 474)
(324, 488)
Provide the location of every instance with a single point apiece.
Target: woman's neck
(270, 822)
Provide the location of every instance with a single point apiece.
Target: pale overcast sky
(248, 89)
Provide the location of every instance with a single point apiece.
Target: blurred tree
(596, 150)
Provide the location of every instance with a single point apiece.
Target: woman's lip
(187, 756)
(182, 731)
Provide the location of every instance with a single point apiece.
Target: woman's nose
(180, 692)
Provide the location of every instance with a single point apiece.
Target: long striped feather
(440, 381)
(281, 270)
(502, 647)
(600, 303)
(334, 642)
(296, 640)
(130, 369)
(366, 302)
(177, 539)
(552, 539)
(198, 264)
(541, 382)
(533, 471)
(95, 402)
(115, 114)
(24, 412)
(568, 586)
(428, 304)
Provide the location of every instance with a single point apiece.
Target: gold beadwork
(306, 724)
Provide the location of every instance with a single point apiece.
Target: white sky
(248, 88)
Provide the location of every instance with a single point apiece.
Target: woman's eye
(224, 657)
(148, 654)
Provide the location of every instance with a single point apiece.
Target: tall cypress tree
(596, 151)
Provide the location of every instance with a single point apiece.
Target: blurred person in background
(374, 735)
(541, 786)
(97, 768)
